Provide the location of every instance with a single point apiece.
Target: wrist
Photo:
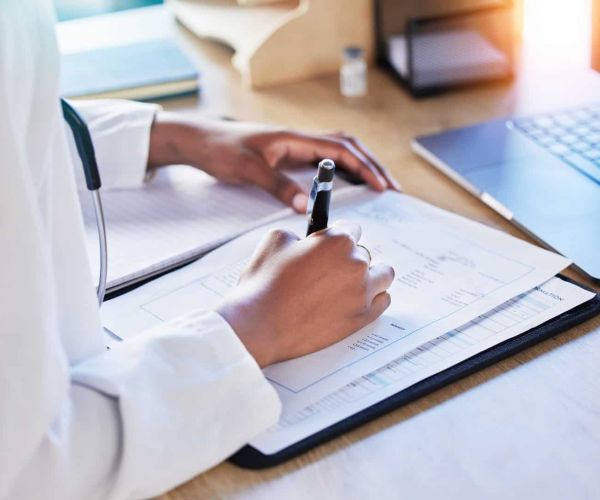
(249, 332)
(168, 136)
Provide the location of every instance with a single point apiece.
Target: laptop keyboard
(572, 135)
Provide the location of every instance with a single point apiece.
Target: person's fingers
(274, 241)
(278, 239)
(353, 159)
(303, 148)
(360, 146)
(380, 303)
(280, 186)
(363, 253)
(381, 277)
(346, 227)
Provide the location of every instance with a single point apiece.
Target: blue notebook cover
(148, 70)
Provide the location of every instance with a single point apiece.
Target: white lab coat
(77, 421)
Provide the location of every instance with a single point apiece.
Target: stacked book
(132, 54)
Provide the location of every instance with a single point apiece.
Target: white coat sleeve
(146, 416)
(120, 133)
(188, 395)
(77, 421)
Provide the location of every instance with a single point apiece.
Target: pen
(320, 196)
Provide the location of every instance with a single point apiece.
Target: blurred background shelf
(275, 41)
(284, 41)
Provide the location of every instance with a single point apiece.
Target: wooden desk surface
(527, 426)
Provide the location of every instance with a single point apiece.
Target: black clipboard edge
(251, 458)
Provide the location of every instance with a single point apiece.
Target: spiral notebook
(177, 217)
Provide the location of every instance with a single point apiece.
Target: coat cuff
(189, 395)
(120, 132)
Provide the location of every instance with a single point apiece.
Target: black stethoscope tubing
(87, 154)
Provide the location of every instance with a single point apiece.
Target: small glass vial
(353, 73)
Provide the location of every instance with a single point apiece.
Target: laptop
(540, 172)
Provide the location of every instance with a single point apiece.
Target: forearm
(170, 136)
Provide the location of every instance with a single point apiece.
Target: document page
(508, 320)
(449, 270)
(180, 215)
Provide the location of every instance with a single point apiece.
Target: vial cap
(353, 52)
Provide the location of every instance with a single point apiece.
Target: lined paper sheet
(180, 215)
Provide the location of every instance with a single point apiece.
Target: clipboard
(251, 458)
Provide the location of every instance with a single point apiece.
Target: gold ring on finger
(367, 251)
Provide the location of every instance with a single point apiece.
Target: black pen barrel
(320, 213)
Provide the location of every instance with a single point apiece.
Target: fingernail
(300, 202)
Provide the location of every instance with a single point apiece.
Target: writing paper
(508, 320)
(449, 270)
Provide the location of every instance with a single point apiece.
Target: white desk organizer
(281, 41)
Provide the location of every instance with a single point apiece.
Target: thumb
(282, 187)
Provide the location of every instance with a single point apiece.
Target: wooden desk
(526, 427)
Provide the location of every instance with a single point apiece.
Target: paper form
(448, 269)
(508, 320)
(180, 215)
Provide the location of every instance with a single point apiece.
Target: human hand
(298, 296)
(244, 153)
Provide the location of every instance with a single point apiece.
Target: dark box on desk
(432, 46)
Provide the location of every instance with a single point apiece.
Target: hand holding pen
(320, 197)
(297, 296)
(320, 201)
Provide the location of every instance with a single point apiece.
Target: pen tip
(326, 170)
(327, 164)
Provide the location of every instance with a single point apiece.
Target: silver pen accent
(318, 185)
